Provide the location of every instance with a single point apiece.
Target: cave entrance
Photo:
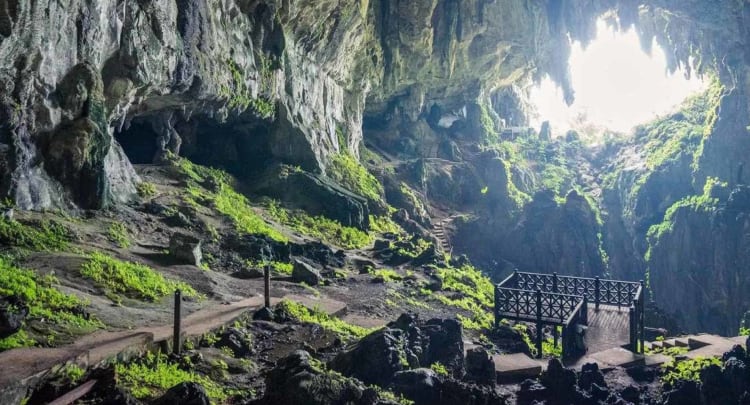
(139, 142)
(617, 86)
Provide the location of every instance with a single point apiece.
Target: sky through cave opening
(617, 86)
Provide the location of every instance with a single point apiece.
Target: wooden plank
(75, 394)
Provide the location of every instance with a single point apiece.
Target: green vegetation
(47, 236)
(145, 189)
(477, 295)
(408, 300)
(151, 376)
(130, 279)
(119, 235)
(413, 199)
(744, 331)
(439, 368)
(225, 199)
(687, 369)
(72, 373)
(383, 224)
(306, 315)
(524, 331)
(279, 267)
(386, 275)
(550, 349)
(668, 351)
(320, 227)
(56, 309)
(346, 170)
(240, 96)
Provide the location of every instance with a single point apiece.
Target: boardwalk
(608, 327)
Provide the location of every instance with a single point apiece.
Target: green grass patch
(224, 199)
(119, 235)
(47, 236)
(469, 281)
(279, 267)
(149, 377)
(687, 369)
(320, 227)
(304, 314)
(131, 279)
(383, 224)
(45, 303)
(145, 189)
(386, 275)
(346, 170)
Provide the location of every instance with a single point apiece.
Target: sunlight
(616, 85)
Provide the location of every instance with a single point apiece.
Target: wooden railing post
(633, 347)
(585, 311)
(642, 319)
(597, 294)
(495, 310)
(554, 282)
(177, 338)
(538, 323)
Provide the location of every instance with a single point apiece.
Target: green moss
(470, 282)
(688, 369)
(56, 309)
(224, 199)
(239, 94)
(439, 368)
(151, 376)
(524, 331)
(304, 314)
(386, 275)
(72, 373)
(383, 224)
(145, 189)
(119, 235)
(279, 267)
(320, 227)
(131, 279)
(47, 236)
(346, 170)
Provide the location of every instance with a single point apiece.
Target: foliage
(413, 199)
(744, 331)
(151, 376)
(470, 282)
(524, 331)
(550, 349)
(279, 267)
(240, 96)
(118, 234)
(48, 236)
(408, 300)
(688, 369)
(44, 302)
(320, 227)
(383, 224)
(225, 199)
(134, 280)
(439, 368)
(303, 314)
(346, 170)
(386, 275)
(72, 373)
(145, 189)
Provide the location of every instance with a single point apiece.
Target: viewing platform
(594, 314)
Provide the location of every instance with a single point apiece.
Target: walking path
(24, 367)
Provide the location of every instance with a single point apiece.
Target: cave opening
(138, 140)
(617, 86)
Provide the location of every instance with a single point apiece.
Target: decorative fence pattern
(563, 300)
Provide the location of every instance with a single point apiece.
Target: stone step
(515, 366)
(657, 344)
(699, 341)
(669, 343)
(657, 359)
(617, 357)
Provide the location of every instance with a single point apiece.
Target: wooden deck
(608, 327)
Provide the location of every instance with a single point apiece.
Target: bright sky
(616, 84)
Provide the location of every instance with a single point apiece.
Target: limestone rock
(186, 249)
(305, 273)
(186, 393)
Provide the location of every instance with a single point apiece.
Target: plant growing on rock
(304, 314)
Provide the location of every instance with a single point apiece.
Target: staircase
(438, 229)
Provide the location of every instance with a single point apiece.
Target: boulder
(186, 249)
(247, 273)
(425, 387)
(305, 273)
(560, 382)
(297, 380)
(186, 393)
(376, 357)
(239, 341)
(737, 375)
(715, 389)
(264, 314)
(531, 392)
(479, 366)
(589, 376)
(13, 312)
(446, 344)
(683, 393)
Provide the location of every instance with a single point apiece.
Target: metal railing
(563, 301)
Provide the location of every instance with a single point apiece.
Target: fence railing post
(585, 311)
(177, 338)
(642, 319)
(495, 310)
(538, 323)
(554, 282)
(516, 278)
(597, 294)
(633, 347)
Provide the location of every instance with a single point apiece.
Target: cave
(138, 140)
